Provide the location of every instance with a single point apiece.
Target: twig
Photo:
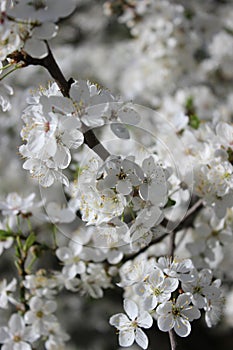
(172, 339)
(172, 244)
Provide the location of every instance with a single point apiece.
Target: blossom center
(40, 314)
(17, 338)
(176, 311)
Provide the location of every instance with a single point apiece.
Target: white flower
(17, 336)
(5, 292)
(129, 325)
(201, 288)
(56, 337)
(121, 174)
(94, 280)
(156, 288)
(214, 310)
(214, 307)
(45, 172)
(177, 315)
(51, 130)
(70, 256)
(91, 102)
(183, 270)
(109, 238)
(98, 207)
(40, 285)
(40, 314)
(135, 271)
(15, 205)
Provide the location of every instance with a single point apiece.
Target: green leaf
(170, 203)
(29, 241)
(5, 234)
(194, 121)
(189, 105)
(17, 252)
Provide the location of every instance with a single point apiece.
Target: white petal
(211, 292)
(16, 323)
(191, 313)
(119, 320)
(182, 327)
(205, 277)
(115, 256)
(126, 338)
(36, 304)
(45, 31)
(141, 338)
(64, 253)
(131, 308)
(4, 334)
(50, 306)
(156, 278)
(145, 320)
(124, 187)
(22, 346)
(69, 271)
(164, 308)
(29, 317)
(62, 157)
(36, 48)
(183, 300)
(165, 323)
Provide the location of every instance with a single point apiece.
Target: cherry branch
(50, 64)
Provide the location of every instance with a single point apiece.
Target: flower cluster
(172, 292)
(54, 125)
(147, 201)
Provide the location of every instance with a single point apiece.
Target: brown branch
(50, 64)
(172, 244)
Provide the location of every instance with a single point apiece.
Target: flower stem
(17, 66)
(172, 339)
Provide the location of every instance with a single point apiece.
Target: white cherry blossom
(129, 325)
(202, 288)
(16, 205)
(40, 314)
(177, 315)
(156, 289)
(70, 256)
(17, 335)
